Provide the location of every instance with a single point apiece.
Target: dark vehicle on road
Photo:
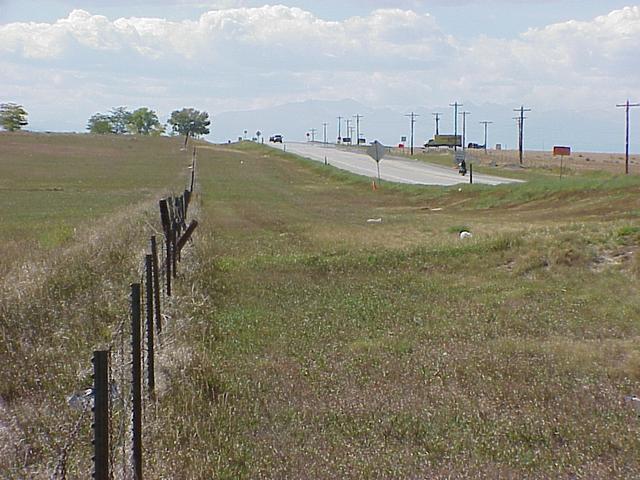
(462, 168)
(276, 139)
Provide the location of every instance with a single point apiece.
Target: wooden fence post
(174, 250)
(166, 226)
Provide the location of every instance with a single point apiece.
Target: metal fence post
(101, 415)
(136, 382)
(156, 283)
(151, 376)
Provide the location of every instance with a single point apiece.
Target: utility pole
(521, 129)
(313, 134)
(627, 107)
(324, 132)
(413, 121)
(348, 120)
(486, 125)
(455, 122)
(437, 115)
(357, 117)
(464, 129)
(339, 129)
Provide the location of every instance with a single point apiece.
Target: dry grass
(63, 299)
(306, 343)
(330, 347)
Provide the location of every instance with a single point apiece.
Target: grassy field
(77, 212)
(311, 343)
(51, 184)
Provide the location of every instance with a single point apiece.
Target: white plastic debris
(374, 220)
(464, 234)
(80, 400)
(633, 401)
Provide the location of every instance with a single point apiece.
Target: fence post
(166, 226)
(471, 173)
(185, 237)
(174, 250)
(136, 382)
(101, 415)
(156, 283)
(151, 376)
(187, 201)
(193, 170)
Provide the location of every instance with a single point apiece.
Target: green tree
(189, 122)
(120, 119)
(144, 121)
(12, 116)
(100, 123)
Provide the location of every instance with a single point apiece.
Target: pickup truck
(276, 139)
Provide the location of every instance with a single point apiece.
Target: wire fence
(124, 373)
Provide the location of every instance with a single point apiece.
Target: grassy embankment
(329, 347)
(77, 212)
(316, 345)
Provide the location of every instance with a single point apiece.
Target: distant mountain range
(589, 131)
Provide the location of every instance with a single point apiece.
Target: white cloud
(240, 57)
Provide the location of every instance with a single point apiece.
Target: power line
(486, 125)
(437, 116)
(413, 121)
(455, 123)
(464, 129)
(358, 117)
(313, 134)
(627, 107)
(348, 120)
(339, 129)
(521, 119)
(324, 133)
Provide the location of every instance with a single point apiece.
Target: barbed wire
(60, 471)
(119, 362)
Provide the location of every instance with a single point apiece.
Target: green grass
(52, 184)
(304, 342)
(342, 349)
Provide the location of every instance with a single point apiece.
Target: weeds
(310, 344)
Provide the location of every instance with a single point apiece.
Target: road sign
(376, 151)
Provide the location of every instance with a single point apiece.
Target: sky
(569, 61)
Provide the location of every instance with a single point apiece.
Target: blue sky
(65, 60)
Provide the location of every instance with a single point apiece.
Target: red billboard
(562, 151)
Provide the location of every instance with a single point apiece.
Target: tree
(100, 123)
(12, 116)
(120, 119)
(189, 122)
(144, 121)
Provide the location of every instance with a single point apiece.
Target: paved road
(392, 169)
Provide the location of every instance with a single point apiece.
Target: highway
(392, 169)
